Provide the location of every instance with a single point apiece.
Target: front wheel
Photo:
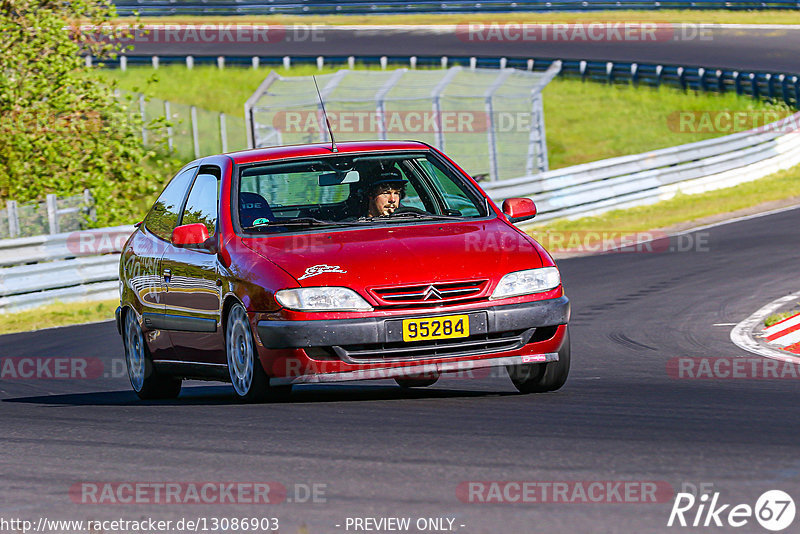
(146, 382)
(250, 382)
(541, 377)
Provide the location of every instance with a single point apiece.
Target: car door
(193, 290)
(143, 268)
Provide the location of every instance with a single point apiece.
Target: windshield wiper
(300, 221)
(415, 215)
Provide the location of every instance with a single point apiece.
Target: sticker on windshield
(314, 270)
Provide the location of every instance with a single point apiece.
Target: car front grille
(430, 293)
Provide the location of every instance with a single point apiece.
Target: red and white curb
(785, 334)
(752, 337)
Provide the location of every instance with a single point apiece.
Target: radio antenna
(325, 114)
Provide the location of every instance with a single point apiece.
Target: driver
(384, 193)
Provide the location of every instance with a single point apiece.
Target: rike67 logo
(774, 510)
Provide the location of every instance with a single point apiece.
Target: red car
(322, 263)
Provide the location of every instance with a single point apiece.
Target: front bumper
(385, 330)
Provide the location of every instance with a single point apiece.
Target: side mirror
(519, 209)
(190, 234)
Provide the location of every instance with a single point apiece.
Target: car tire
(250, 382)
(542, 377)
(146, 382)
(407, 382)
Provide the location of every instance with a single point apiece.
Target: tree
(61, 128)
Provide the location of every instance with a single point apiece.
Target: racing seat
(252, 207)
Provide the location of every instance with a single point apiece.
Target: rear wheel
(541, 377)
(418, 381)
(146, 382)
(250, 382)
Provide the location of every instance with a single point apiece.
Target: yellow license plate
(436, 328)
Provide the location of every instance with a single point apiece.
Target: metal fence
(320, 7)
(491, 121)
(54, 215)
(192, 132)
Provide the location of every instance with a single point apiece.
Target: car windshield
(345, 191)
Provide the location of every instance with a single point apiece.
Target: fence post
(737, 82)
(491, 133)
(255, 61)
(351, 62)
(635, 74)
(52, 213)
(144, 119)
(754, 86)
(154, 61)
(195, 135)
(701, 78)
(123, 63)
(287, 62)
(412, 62)
(223, 132)
(770, 88)
(796, 82)
(189, 62)
(168, 114)
(88, 199)
(13, 218)
(220, 62)
(537, 143)
(610, 72)
(320, 62)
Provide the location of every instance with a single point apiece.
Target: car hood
(399, 255)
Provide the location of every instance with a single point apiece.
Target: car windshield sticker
(314, 270)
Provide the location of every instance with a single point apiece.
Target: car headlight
(527, 282)
(321, 299)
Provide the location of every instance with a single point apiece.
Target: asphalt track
(381, 451)
(745, 48)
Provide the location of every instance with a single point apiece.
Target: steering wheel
(410, 209)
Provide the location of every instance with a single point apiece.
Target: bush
(61, 128)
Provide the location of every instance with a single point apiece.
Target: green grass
(684, 208)
(57, 314)
(584, 121)
(692, 16)
(778, 317)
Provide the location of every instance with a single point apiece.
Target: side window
(201, 207)
(454, 195)
(163, 216)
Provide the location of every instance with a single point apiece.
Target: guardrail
(62, 267)
(328, 7)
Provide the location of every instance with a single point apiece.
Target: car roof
(322, 149)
